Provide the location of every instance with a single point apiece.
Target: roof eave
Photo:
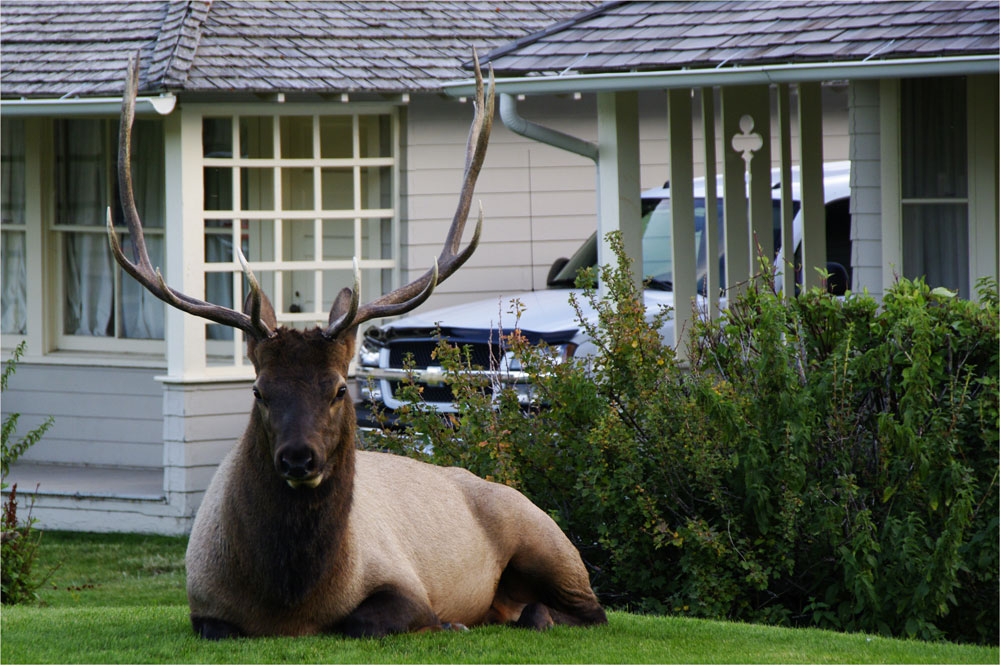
(88, 106)
(724, 76)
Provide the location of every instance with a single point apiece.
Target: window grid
(273, 257)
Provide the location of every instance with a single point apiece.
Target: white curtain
(12, 246)
(85, 174)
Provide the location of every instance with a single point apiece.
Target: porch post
(811, 184)
(618, 177)
(683, 248)
(712, 277)
(982, 131)
(184, 231)
(892, 230)
(735, 218)
(787, 267)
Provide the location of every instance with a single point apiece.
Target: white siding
(201, 423)
(103, 415)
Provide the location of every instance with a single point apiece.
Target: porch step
(85, 482)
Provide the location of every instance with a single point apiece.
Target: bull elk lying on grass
(301, 533)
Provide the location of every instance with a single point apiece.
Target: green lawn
(120, 598)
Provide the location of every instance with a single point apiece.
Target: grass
(120, 598)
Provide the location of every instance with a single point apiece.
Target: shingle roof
(80, 48)
(636, 36)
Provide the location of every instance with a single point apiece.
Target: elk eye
(256, 394)
(341, 391)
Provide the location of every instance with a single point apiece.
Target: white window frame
(224, 358)
(981, 206)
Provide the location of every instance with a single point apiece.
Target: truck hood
(542, 312)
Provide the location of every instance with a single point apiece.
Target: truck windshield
(657, 238)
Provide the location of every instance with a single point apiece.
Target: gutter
(88, 106)
(520, 125)
(719, 76)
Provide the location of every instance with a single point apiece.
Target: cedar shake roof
(54, 49)
(638, 36)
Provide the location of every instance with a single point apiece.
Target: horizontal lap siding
(104, 415)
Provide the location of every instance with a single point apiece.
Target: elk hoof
(460, 627)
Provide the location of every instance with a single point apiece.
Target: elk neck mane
(293, 539)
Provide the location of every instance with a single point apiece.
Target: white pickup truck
(548, 316)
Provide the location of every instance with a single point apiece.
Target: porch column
(746, 122)
(184, 239)
(811, 184)
(712, 276)
(682, 247)
(787, 267)
(618, 177)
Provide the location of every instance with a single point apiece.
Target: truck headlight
(369, 353)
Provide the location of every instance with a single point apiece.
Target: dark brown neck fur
(291, 539)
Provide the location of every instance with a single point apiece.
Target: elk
(300, 532)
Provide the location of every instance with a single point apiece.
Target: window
(934, 181)
(13, 264)
(301, 194)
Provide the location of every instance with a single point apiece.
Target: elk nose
(297, 463)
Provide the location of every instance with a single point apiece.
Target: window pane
(376, 187)
(299, 240)
(217, 137)
(257, 189)
(83, 162)
(257, 137)
(258, 239)
(300, 289)
(335, 137)
(12, 170)
(338, 239)
(218, 188)
(14, 276)
(297, 189)
(936, 245)
(13, 272)
(375, 136)
(141, 312)
(376, 238)
(296, 137)
(88, 284)
(218, 241)
(932, 137)
(338, 189)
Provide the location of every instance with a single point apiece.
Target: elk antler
(142, 269)
(408, 297)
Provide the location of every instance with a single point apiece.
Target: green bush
(824, 462)
(19, 540)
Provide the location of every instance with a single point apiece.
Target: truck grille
(421, 350)
(431, 394)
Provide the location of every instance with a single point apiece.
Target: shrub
(19, 540)
(823, 462)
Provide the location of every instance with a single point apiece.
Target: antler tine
(345, 319)
(141, 268)
(416, 292)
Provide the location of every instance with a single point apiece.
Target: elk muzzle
(298, 465)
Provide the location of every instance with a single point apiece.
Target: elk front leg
(214, 629)
(390, 611)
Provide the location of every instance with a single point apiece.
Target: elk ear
(267, 317)
(342, 305)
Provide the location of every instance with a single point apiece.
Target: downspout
(520, 125)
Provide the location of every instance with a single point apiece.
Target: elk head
(302, 408)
